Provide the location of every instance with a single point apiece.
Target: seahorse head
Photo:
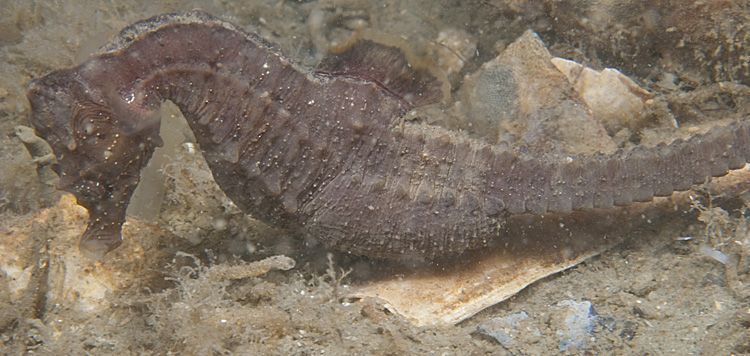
(99, 145)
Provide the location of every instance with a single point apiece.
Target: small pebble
(579, 321)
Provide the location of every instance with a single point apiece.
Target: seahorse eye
(88, 127)
(94, 130)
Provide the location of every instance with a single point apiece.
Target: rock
(453, 48)
(520, 98)
(577, 325)
(643, 284)
(614, 99)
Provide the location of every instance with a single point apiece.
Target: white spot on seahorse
(88, 128)
(129, 97)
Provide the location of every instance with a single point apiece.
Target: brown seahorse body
(325, 151)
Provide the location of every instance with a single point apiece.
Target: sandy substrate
(677, 285)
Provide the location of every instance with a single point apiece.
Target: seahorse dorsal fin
(387, 66)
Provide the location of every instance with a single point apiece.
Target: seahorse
(325, 151)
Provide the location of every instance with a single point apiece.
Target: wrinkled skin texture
(326, 152)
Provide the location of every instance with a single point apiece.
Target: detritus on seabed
(681, 296)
